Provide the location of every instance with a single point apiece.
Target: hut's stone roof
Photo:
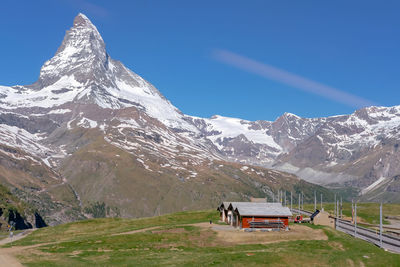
(258, 209)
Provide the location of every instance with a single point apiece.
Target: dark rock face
(31, 124)
(39, 222)
(20, 222)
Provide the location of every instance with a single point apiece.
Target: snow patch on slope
(59, 111)
(62, 91)
(87, 123)
(16, 137)
(373, 185)
(232, 127)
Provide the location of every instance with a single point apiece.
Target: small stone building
(323, 218)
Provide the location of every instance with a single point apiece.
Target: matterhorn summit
(81, 72)
(82, 55)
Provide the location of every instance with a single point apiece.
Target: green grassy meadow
(171, 240)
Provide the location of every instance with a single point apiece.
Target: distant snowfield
(232, 127)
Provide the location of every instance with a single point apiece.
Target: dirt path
(7, 254)
(7, 260)
(16, 237)
(136, 231)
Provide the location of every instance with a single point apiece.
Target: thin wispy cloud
(91, 8)
(293, 80)
(94, 9)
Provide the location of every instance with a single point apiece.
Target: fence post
(299, 202)
(334, 207)
(355, 219)
(380, 225)
(341, 207)
(291, 201)
(315, 200)
(321, 201)
(285, 198)
(337, 209)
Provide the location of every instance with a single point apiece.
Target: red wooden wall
(246, 220)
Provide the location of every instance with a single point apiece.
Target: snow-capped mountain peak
(82, 20)
(81, 71)
(82, 55)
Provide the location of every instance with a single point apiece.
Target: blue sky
(352, 46)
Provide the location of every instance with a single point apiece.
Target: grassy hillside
(175, 240)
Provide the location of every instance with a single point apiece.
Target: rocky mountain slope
(33, 182)
(92, 138)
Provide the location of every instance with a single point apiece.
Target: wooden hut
(254, 215)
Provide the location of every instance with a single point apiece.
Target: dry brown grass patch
(232, 236)
(204, 239)
(336, 246)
